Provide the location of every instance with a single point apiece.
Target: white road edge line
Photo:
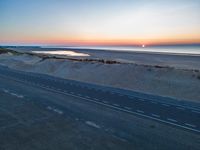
(116, 105)
(158, 116)
(173, 120)
(140, 111)
(191, 125)
(129, 108)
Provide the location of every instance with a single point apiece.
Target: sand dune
(178, 80)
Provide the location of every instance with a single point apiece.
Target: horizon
(100, 23)
(131, 45)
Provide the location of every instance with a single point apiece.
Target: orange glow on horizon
(83, 41)
(100, 22)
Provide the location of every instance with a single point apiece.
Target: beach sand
(170, 75)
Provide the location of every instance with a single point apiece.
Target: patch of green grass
(5, 50)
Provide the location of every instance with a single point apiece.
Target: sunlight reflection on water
(66, 53)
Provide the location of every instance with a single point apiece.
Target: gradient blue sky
(99, 21)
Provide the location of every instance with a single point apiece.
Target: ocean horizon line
(189, 49)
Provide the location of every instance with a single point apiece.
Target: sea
(172, 49)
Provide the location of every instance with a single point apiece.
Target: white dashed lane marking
(181, 108)
(139, 99)
(172, 120)
(55, 110)
(166, 105)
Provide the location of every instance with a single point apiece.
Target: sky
(99, 22)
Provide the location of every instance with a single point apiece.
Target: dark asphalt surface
(178, 116)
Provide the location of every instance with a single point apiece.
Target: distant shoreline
(130, 51)
(183, 50)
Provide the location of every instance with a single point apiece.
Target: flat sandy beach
(171, 75)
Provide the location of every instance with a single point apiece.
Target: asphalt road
(186, 118)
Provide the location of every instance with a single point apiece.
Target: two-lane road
(180, 116)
